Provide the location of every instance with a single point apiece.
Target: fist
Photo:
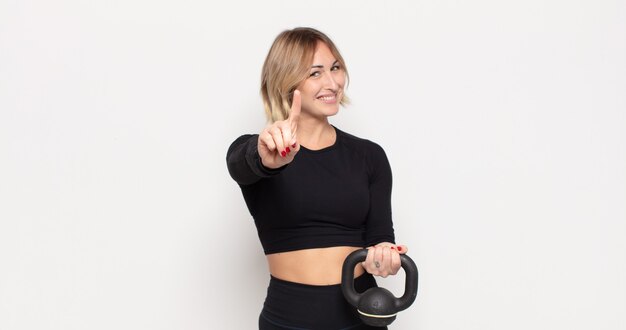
(384, 259)
(277, 143)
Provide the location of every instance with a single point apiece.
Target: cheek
(341, 79)
(306, 90)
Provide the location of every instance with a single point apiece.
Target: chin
(329, 111)
(323, 111)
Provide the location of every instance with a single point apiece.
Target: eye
(335, 67)
(315, 74)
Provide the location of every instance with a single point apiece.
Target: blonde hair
(288, 64)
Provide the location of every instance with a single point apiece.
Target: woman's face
(323, 89)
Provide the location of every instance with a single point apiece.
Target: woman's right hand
(277, 144)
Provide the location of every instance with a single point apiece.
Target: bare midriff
(320, 266)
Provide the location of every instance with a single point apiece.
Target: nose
(330, 82)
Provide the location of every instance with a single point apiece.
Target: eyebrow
(319, 66)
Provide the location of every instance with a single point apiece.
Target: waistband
(362, 279)
(295, 305)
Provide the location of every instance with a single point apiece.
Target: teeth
(326, 98)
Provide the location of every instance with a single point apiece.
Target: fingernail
(288, 150)
(283, 153)
(393, 248)
(293, 145)
(399, 248)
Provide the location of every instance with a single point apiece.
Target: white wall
(504, 123)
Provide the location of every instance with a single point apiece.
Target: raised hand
(277, 144)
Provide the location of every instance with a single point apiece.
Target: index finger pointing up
(294, 114)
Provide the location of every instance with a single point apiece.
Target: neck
(315, 133)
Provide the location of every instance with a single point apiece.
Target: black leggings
(296, 306)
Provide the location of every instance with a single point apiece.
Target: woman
(316, 193)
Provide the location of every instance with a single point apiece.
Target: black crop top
(336, 196)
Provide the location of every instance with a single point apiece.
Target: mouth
(328, 98)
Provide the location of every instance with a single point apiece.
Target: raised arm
(252, 157)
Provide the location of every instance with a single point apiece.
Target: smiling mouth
(330, 99)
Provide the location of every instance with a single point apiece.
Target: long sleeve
(244, 163)
(379, 225)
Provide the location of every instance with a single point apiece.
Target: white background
(504, 122)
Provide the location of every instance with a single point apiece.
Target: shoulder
(361, 145)
(369, 152)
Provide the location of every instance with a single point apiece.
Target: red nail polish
(283, 153)
(393, 248)
(293, 145)
(288, 150)
(399, 248)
